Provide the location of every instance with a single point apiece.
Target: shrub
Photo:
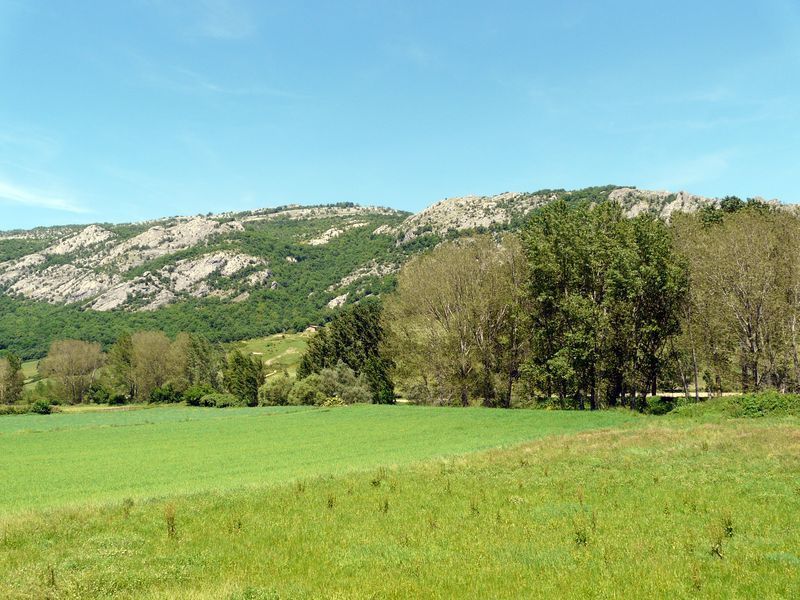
(117, 399)
(276, 390)
(98, 394)
(43, 390)
(220, 400)
(306, 391)
(358, 393)
(764, 404)
(745, 406)
(335, 401)
(41, 407)
(342, 384)
(195, 394)
(165, 394)
(659, 405)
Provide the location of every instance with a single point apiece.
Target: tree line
(148, 366)
(582, 308)
(588, 308)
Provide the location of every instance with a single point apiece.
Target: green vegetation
(12, 379)
(740, 326)
(280, 352)
(63, 459)
(655, 508)
(148, 366)
(27, 328)
(353, 338)
(30, 369)
(744, 406)
(583, 309)
(17, 248)
(605, 298)
(587, 307)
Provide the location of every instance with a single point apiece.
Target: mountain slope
(237, 275)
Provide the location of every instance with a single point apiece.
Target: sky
(136, 109)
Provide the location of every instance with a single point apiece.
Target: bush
(221, 400)
(341, 383)
(659, 405)
(165, 394)
(276, 390)
(98, 394)
(41, 407)
(194, 395)
(116, 399)
(43, 390)
(763, 404)
(358, 394)
(306, 392)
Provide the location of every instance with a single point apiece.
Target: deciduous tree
(73, 365)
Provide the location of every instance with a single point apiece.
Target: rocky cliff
(145, 266)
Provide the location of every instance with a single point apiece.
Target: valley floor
(381, 501)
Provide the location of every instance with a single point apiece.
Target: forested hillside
(239, 275)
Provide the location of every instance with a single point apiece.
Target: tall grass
(664, 510)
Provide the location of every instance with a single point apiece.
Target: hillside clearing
(279, 352)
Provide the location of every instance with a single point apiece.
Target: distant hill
(239, 275)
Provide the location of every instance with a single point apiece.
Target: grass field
(377, 502)
(280, 352)
(58, 459)
(30, 369)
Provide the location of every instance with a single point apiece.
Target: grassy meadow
(397, 502)
(61, 459)
(30, 370)
(279, 352)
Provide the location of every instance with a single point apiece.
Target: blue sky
(127, 110)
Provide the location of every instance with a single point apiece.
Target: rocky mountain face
(234, 276)
(143, 267)
(230, 256)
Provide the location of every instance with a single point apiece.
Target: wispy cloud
(15, 194)
(191, 81)
(216, 19)
(187, 81)
(225, 19)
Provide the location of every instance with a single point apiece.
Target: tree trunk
(795, 359)
(684, 382)
(745, 377)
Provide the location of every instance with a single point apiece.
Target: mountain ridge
(241, 274)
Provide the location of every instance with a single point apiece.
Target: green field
(398, 502)
(30, 369)
(280, 352)
(59, 459)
